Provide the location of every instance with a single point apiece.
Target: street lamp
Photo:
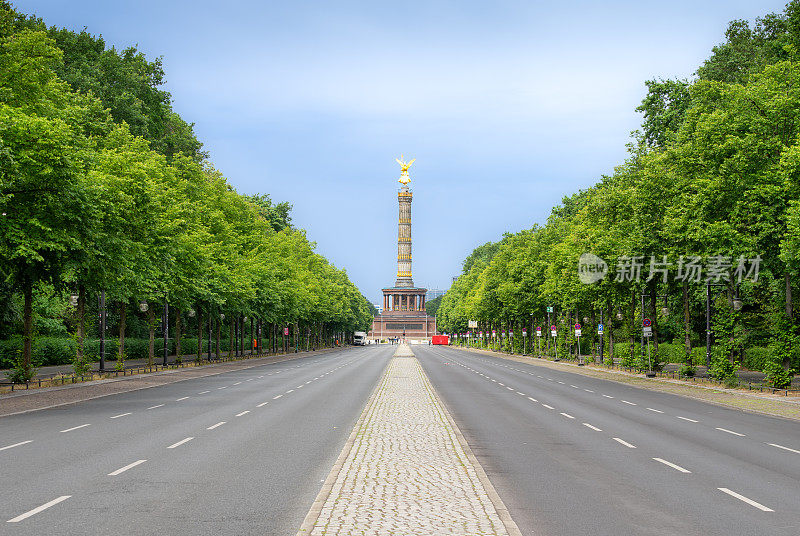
(143, 306)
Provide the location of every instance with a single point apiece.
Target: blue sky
(507, 105)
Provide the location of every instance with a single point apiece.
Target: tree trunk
(687, 326)
(231, 341)
(178, 334)
(27, 327)
(655, 318)
(151, 323)
(81, 321)
(121, 338)
(199, 334)
(633, 322)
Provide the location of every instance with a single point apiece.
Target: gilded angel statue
(404, 178)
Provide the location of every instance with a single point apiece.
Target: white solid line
(262, 404)
(276, 397)
(31, 441)
(120, 415)
(548, 407)
(656, 410)
(179, 443)
(182, 398)
(154, 407)
(626, 402)
(730, 432)
(623, 442)
(75, 428)
(588, 390)
(532, 399)
(245, 412)
(686, 418)
(215, 425)
(607, 396)
(770, 444)
(567, 415)
(38, 509)
(670, 464)
(203, 392)
(751, 502)
(129, 466)
(595, 428)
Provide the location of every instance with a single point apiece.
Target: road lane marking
(623, 442)
(216, 425)
(203, 392)
(588, 390)
(656, 410)
(249, 380)
(237, 383)
(276, 397)
(224, 387)
(730, 432)
(608, 396)
(299, 387)
(498, 383)
(686, 418)
(290, 391)
(574, 386)
(630, 403)
(31, 441)
(567, 415)
(770, 444)
(523, 394)
(548, 407)
(129, 466)
(509, 388)
(181, 442)
(121, 415)
(182, 398)
(75, 428)
(751, 502)
(245, 412)
(670, 464)
(262, 404)
(532, 399)
(562, 383)
(154, 407)
(595, 428)
(38, 509)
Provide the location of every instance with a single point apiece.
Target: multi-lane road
(246, 452)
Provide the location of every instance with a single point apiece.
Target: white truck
(359, 338)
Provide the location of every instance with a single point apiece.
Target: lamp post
(165, 330)
(102, 330)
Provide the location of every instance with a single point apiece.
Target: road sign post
(578, 336)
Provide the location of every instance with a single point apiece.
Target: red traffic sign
(577, 326)
(553, 328)
(646, 323)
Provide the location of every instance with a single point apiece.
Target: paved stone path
(406, 472)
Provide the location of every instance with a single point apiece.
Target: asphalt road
(573, 455)
(242, 452)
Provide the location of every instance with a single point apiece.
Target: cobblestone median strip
(405, 469)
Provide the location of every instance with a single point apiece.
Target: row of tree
(104, 188)
(712, 182)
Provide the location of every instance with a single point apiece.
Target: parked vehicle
(359, 338)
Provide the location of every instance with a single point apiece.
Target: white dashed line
(730, 432)
(522, 394)
(608, 396)
(751, 502)
(532, 399)
(686, 419)
(509, 388)
(223, 387)
(623, 442)
(670, 464)
(216, 425)
(574, 386)
(299, 387)
(588, 390)
(276, 397)
(237, 383)
(156, 406)
(181, 398)
(548, 407)
(38, 509)
(120, 415)
(181, 442)
(31, 441)
(629, 403)
(498, 383)
(129, 466)
(562, 383)
(770, 444)
(656, 410)
(567, 415)
(595, 428)
(290, 391)
(203, 392)
(249, 380)
(75, 428)
(245, 412)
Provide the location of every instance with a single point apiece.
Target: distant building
(434, 293)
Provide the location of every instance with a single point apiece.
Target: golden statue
(404, 178)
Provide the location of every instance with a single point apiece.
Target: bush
(777, 376)
(755, 358)
(687, 370)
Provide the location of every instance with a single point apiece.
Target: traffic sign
(510, 333)
(524, 333)
(553, 331)
(646, 323)
(549, 308)
(599, 329)
(538, 332)
(577, 326)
